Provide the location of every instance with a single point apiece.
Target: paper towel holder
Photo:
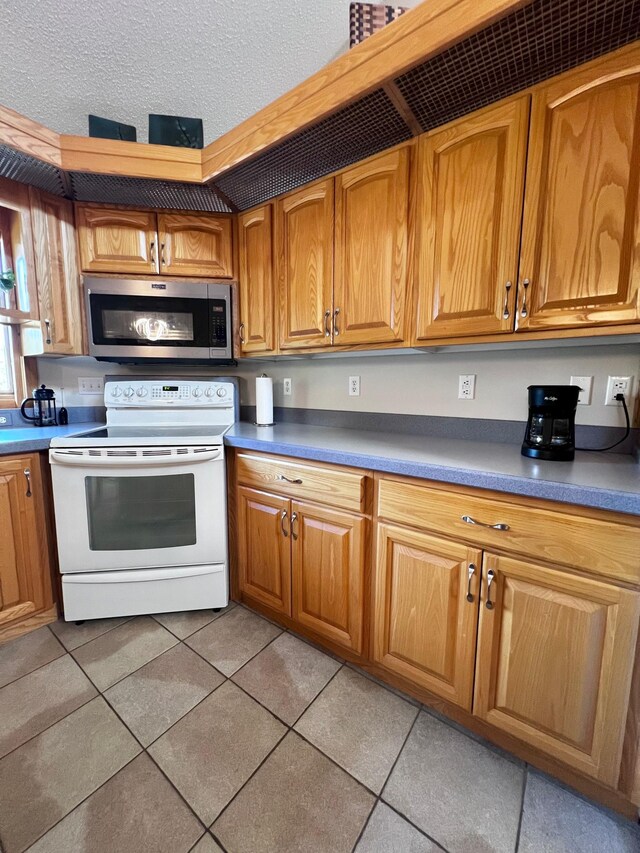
(263, 376)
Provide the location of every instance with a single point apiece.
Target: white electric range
(140, 505)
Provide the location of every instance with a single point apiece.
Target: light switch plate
(586, 383)
(90, 385)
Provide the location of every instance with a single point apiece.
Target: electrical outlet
(354, 386)
(586, 384)
(90, 385)
(5, 420)
(467, 386)
(286, 387)
(618, 385)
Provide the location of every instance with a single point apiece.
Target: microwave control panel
(153, 393)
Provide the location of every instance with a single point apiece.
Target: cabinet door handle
(490, 578)
(505, 312)
(284, 479)
(327, 330)
(47, 326)
(470, 573)
(27, 476)
(524, 310)
(336, 330)
(294, 518)
(152, 253)
(283, 515)
(241, 333)
(162, 260)
(499, 526)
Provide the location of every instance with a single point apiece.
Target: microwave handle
(66, 457)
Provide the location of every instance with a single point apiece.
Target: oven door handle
(64, 457)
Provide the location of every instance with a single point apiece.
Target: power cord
(620, 399)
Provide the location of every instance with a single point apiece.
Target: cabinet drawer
(591, 544)
(339, 487)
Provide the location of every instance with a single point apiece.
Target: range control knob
(221, 392)
(208, 391)
(128, 392)
(197, 391)
(142, 392)
(116, 392)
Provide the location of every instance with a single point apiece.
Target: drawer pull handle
(472, 571)
(283, 515)
(27, 476)
(499, 526)
(327, 330)
(284, 479)
(490, 578)
(294, 518)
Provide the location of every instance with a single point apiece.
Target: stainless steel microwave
(142, 321)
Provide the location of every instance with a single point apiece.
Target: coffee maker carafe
(550, 432)
(44, 407)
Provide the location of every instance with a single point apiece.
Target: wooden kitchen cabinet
(256, 280)
(581, 228)
(58, 279)
(555, 658)
(264, 553)
(470, 183)
(426, 611)
(195, 244)
(304, 240)
(371, 250)
(25, 572)
(328, 550)
(117, 240)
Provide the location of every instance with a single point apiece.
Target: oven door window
(136, 513)
(149, 321)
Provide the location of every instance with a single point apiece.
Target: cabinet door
(555, 655)
(114, 240)
(57, 274)
(426, 611)
(195, 244)
(263, 548)
(305, 266)
(581, 235)
(470, 189)
(25, 582)
(328, 550)
(255, 253)
(370, 288)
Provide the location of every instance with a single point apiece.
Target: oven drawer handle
(499, 526)
(66, 458)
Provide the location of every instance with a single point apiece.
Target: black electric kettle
(44, 407)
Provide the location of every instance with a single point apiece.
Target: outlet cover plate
(618, 385)
(467, 386)
(354, 386)
(286, 387)
(586, 383)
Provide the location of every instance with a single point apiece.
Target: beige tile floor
(205, 732)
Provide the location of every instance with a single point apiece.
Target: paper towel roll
(264, 400)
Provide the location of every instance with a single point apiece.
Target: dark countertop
(28, 438)
(600, 480)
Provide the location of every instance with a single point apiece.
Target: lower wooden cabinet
(25, 574)
(426, 611)
(328, 549)
(263, 548)
(555, 659)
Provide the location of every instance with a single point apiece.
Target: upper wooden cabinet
(119, 240)
(256, 280)
(304, 229)
(25, 573)
(555, 657)
(470, 180)
(57, 275)
(372, 235)
(581, 229)
(195, 244)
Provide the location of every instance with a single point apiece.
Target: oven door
(121, 508)
(133, 320)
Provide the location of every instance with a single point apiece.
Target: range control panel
(182, 393)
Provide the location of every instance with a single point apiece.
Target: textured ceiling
(123, 59)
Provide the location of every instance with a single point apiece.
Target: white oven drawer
(131, 593)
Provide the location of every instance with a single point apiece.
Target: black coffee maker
(550, 432)
(44, 407)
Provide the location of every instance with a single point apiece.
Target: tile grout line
(36, 668)
(97, 637)
(525, 780)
